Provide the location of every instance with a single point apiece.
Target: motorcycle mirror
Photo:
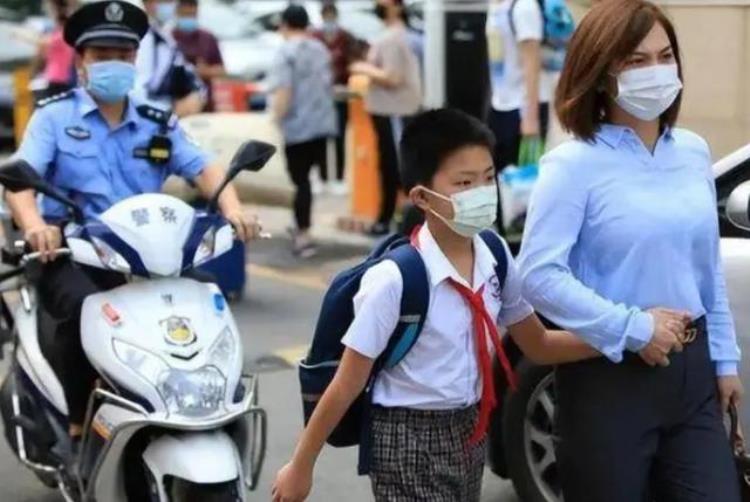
(18, 175)
(738, 206)
(251, 156)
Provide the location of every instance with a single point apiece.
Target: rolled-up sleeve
(556, 215)
(188, 159)
(38, 146)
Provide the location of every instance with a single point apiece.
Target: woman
(622, 248)
(395, 93)
(302, 102)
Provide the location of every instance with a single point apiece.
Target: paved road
(276, 317)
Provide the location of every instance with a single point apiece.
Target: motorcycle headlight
(223, 352)
(193, 393)
(206, 247)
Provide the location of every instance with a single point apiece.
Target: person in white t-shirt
(521, 88)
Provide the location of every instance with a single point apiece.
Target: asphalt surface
(276, 317)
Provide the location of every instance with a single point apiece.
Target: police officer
(95, 143)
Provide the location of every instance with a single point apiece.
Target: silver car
(521, 439)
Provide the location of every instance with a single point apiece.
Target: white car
(521, 438)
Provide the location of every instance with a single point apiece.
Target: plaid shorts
(425, 455)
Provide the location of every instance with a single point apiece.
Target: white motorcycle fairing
(161, 326)
(29, 353)
(149, 235)
(202, 457)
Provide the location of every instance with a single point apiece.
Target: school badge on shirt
(495, 289)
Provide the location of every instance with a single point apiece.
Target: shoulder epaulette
(161, 117)
(54, 99)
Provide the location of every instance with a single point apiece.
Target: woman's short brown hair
(608, 34)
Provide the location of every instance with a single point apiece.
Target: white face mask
(646, 93)
(474, 210)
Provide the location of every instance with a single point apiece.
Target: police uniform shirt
(71, 145)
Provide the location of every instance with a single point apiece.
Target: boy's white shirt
(509, 90)
(440, 371)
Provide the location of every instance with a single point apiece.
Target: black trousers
(342, 115)
(300, 159)
(62, 289)
(632, 433)
(390, 179)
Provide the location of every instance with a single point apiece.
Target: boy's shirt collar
(439, 268)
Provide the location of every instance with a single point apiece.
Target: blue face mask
(188, 24)
(165, 11)
(110, 81)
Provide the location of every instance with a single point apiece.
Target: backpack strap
(415, 301)
(495, 243)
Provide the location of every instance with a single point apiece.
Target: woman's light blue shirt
(614, 230)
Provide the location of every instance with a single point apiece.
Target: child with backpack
(417, 363)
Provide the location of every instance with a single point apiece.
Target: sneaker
(339, 188)
(304, 247)
(317, 186)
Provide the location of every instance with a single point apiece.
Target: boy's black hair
(432, 136)
(188, 3)
(295, 17)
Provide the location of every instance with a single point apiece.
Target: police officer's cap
(108, 23)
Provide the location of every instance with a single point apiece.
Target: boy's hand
(293, 484)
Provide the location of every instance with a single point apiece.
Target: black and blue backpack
(317, 369)
(559, 27)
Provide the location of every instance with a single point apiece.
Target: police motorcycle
(172, 416)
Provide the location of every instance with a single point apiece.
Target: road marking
(289, 277)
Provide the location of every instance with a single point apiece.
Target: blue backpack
(318, 368)
(559, 27)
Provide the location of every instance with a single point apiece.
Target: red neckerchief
(484, 326)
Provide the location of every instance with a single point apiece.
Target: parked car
(521, 433)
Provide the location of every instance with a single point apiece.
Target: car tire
(527, 434)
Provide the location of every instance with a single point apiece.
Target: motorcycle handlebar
(29, 257)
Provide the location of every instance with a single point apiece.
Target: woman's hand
(730, 391)
(293, 483)
(669, 326)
